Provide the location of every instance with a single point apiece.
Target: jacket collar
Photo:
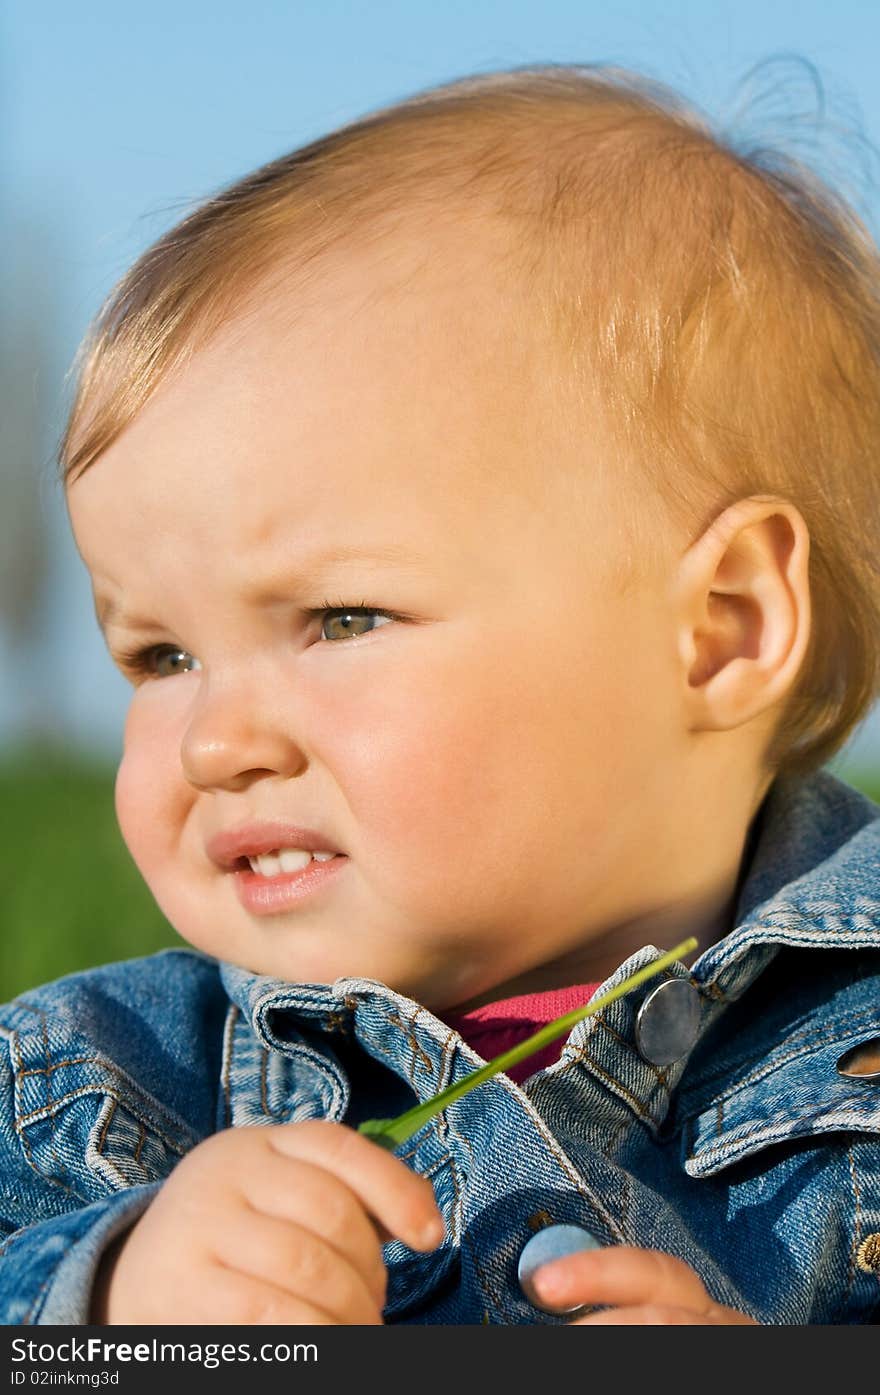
(811, 881)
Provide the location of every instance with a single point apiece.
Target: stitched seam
(58, 1065)
(330, 1072)
(714, 992)
(409, 1032)
(858, 1224)
(29, 1320)
(769, 1132)
(661, 1075)
(625, 1200)
(581, 1053)
(49, 1100)
(490, 1290)
(802, 935)
(264, 1066)
(24, 1119)
(456, 1204)
(423, 1055)
(760, 932)
(657, 1103)
(141, 1140)
(101, 1063)
(447, 1046)
(45, 1034)
(44, 1177)
(229, 1030)
(821, 1035)
(410, 1070)
(565, 1162)
(457, 1217)
(25, 1143)
(107, 1121)
(834, 914)
(820, 1040)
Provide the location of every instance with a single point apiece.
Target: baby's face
(492, 751)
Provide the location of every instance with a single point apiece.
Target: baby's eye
(147, 661)
(349, 620)
(166, 651)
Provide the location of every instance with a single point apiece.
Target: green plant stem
(388, 1133)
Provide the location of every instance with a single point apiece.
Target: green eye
(166, 652)
(348, 621)
(144, 662)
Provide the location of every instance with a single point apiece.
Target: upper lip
(253, 839)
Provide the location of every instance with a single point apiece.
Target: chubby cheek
(152, 798)
(463, 788)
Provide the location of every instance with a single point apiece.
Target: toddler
(482, 502)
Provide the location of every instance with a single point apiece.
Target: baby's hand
(269, 1225)
(645, 1287)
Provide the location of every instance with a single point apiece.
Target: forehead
(404, 375)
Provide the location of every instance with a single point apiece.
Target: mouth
(269, 847)
(282, 862)
(272, 891)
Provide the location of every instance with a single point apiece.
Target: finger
(230, 1298)
(654, 1315)
(290, 1257)
(317, 1200)
(621, 1275)
(398, 1198)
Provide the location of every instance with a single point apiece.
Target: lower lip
(269, 895)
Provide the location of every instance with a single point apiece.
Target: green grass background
(71, 894)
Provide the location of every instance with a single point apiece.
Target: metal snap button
(868, 1254)
(668, 1022)
(553, 1242)
(861, 1061)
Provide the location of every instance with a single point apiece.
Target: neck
(707, 915)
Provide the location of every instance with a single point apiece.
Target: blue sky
(114, 119)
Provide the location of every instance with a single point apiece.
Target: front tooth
(293, 859)
(268, 864)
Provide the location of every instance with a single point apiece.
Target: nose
(236, 734)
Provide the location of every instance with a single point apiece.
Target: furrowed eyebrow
(108, 613)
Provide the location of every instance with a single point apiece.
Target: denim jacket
(753, 1158)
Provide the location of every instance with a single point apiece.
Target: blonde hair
(723, 307)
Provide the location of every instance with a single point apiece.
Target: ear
(742, 599)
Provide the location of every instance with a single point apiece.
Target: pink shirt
(495, 1027)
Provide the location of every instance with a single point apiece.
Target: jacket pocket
(797, 1092)
(127, 1148)
(85, 1126)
